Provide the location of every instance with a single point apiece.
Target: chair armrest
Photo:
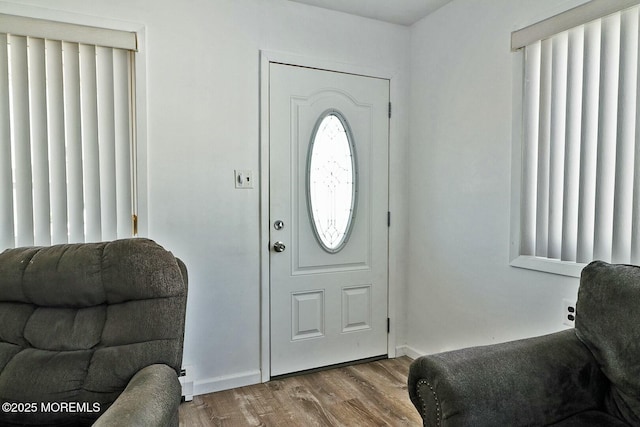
(535, 381)
(151, 398)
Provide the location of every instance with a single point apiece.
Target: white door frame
(267, 57)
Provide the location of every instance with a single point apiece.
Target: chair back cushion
(608, 323)
(77, 321)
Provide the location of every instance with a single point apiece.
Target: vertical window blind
(67, 133)
(580, 194)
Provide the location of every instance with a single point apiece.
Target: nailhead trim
(424, 403)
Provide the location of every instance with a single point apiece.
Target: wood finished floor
(369, 394)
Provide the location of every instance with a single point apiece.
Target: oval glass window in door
(331, 181)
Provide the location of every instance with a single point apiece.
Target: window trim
(579, 15)
(546, 265)
(566, 20)
(132, 32)
(56, 30)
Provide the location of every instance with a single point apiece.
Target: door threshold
(326, 368)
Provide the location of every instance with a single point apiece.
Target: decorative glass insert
(331, 181)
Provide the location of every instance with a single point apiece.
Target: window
(331, 180)
(580, 156)
(67, 132)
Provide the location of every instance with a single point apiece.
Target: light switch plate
(243, 178)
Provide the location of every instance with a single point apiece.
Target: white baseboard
(401, 350)
(405, 350)
(186, 381)
(226, 382)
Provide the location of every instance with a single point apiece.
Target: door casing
(267, 57)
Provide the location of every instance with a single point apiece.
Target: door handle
(279, 246)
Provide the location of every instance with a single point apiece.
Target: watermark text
(51, 407)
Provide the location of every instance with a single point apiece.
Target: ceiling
(403, 12)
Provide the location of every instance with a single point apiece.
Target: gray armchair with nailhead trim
(586, 376)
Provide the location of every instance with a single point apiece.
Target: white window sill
(547, 265)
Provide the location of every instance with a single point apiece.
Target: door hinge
(389, 109)
(388, 219)
(388, 325)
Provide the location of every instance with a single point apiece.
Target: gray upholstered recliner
(91, 331)
(586, 376)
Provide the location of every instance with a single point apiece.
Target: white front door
(328, 217)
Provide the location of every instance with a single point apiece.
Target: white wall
(203, 122)
(461, 289)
